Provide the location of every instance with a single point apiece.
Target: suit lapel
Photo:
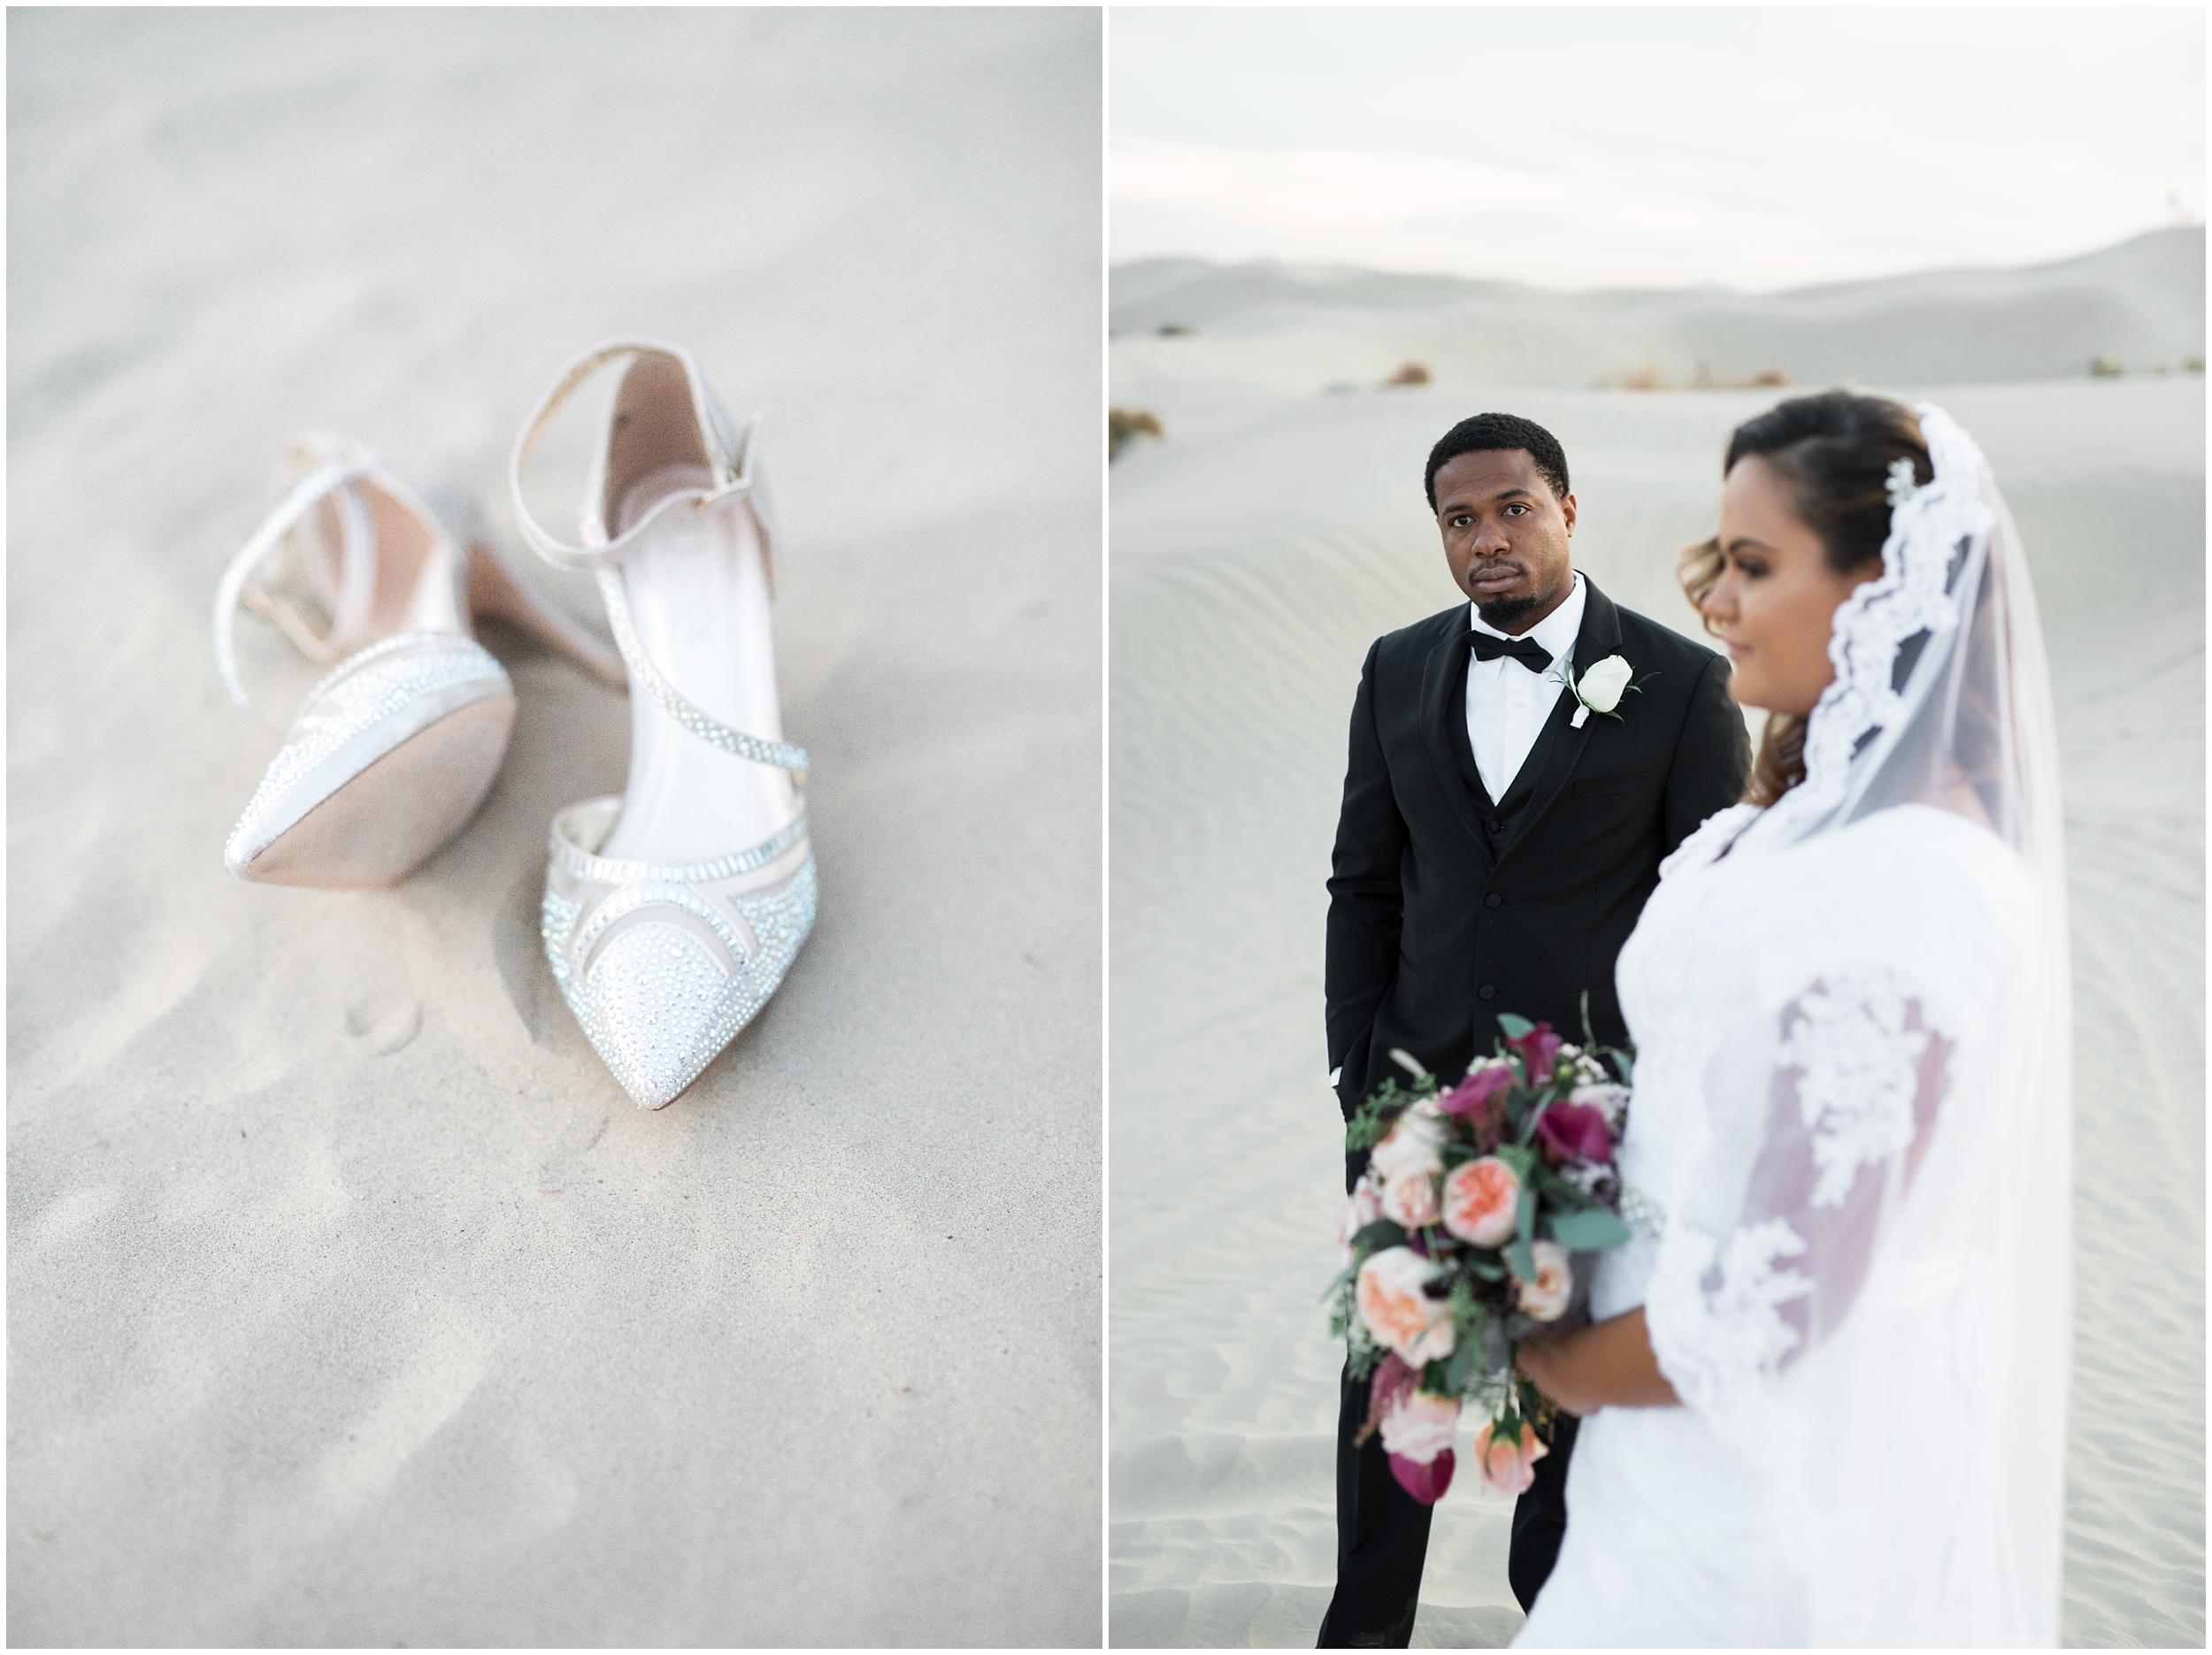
(1561, 745)
(1437, 679)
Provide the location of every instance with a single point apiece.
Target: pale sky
(1579, 147)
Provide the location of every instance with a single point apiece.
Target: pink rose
(1481, 1201)
(1546, 1298)
(1418, 1426)
(1417, 1430)
(1405, 1165)
(1508, 1463)
(1398, 1313)
(1570, 1131)
(1539, 1047)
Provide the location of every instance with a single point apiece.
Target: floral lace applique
(1858, 1071)
(1886, 626)
(1715, 1311)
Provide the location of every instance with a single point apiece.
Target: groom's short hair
(1487, 432)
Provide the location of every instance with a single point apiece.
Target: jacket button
(1496, 826)
(1486, 992)
(1493, 899)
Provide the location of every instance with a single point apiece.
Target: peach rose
(1508, 1463)
(1398, 1313)
(1480, 1201)
(1546, 1298)
(1405, 1165)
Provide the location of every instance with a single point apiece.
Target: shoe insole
(698, 596)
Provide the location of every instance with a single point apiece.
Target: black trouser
(1382, 1539)
(1382, 1532)
(1539, 1517)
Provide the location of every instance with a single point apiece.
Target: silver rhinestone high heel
(397, 746)
(665, 939)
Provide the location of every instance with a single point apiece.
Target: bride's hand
(1540, 1362)
(1606, 1365)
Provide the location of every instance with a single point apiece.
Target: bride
(1824, 1399)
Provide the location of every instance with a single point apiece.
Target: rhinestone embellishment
(655, 1002)
(711, 731)
(363, 691)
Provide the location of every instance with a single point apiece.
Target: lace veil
(1872, 1300)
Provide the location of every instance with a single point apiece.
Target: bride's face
(1775, 602)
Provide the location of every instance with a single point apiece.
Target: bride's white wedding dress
(1851, 1115)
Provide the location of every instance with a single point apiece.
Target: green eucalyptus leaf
(1514, 1028)
(1521, 1257)
(1594, 1229)
(1374, 1237)
(1461, 1368)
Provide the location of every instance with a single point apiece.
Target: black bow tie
(1530, 654)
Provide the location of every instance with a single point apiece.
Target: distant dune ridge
(2141, 303)
(1261, 543)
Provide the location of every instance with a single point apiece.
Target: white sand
(1256, 550)
(350, 1302)
(1296, 328)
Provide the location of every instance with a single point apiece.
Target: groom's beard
(1507, 613)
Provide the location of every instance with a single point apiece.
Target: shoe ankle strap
(356, 568)
(730, 461)
(338, 464)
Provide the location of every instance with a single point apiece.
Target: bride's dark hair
(1834, 451)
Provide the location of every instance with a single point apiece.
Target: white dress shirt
(1507, 703)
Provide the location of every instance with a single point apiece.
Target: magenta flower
(1538, 1049)
(1417, 1429)
(1425, 1483)
(1487, 1078)
(1574, 1131)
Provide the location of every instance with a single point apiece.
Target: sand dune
(350, 1302)
(1254, 553)
(1297, 328)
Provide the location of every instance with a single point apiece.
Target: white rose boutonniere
(1601, 688)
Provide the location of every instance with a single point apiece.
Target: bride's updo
(1833, 451)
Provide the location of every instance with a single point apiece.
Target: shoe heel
(495, 594)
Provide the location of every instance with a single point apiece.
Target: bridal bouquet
(1474, 1227)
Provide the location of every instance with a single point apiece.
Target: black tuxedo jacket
(1445, 908)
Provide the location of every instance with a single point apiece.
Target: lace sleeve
(1747, 1285)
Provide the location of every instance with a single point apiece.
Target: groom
(1491, 855)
